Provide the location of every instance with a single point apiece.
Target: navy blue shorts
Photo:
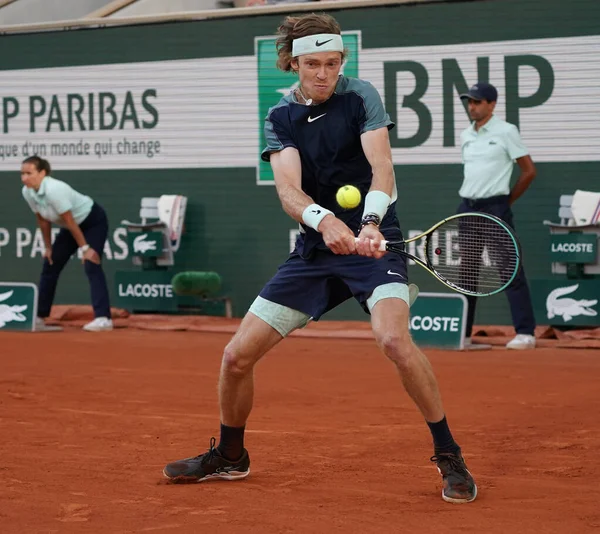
(320, 283)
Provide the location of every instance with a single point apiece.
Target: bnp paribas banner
(209, 112)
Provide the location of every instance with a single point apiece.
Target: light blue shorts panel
(281, 318)
(393, 290)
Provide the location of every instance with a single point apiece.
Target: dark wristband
(369, 218)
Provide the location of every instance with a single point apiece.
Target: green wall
(239, 229)
(398, 25)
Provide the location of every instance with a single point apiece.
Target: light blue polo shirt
(488, 156)
(54, 198)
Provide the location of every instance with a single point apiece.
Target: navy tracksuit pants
(95, 230)
(518, 294)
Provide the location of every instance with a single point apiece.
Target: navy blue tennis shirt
(327, 136)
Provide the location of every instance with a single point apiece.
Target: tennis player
(331, 131)
(84, 227)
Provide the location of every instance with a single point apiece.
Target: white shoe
(99, 324)
(521, 342)
(469, 345)
(41, 326)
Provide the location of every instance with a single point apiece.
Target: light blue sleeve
(514, 144)
(28, 199)
(377, 117)
(278, 131)
(373, 115)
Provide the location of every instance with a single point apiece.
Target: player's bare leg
(230, 460)
(251, 342)
(390, 326)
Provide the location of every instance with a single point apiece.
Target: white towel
(586, 207)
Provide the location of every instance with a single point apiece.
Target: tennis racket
(472, 253)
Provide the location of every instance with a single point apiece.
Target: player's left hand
(337, 236)
(368, 242)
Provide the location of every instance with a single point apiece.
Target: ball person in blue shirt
(330, 131)
(84, 227)
(490, 146)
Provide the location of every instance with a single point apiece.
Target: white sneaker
(469, 345)
(41, 326)
(521, 342)
(99, 324)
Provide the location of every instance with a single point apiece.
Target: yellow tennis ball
(348, 197)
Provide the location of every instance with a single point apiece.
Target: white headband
(322, 42)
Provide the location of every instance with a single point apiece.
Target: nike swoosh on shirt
(311, 119)
(396, 274)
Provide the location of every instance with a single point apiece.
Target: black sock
(442, 437)
(231, 445)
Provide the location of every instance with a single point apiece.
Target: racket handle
(381, 246)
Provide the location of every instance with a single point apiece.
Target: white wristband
(377, 202)
(314, 214)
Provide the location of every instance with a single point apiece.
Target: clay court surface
(89, 420)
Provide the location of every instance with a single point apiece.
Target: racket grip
(382, 246)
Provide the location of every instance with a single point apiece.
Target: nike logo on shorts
(395, 274)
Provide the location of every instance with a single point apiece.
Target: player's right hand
(48, 255)
(337, 236)
(369, 240)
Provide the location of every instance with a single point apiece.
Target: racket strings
(474, 253)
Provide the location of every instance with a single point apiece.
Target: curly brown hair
(295, 27)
